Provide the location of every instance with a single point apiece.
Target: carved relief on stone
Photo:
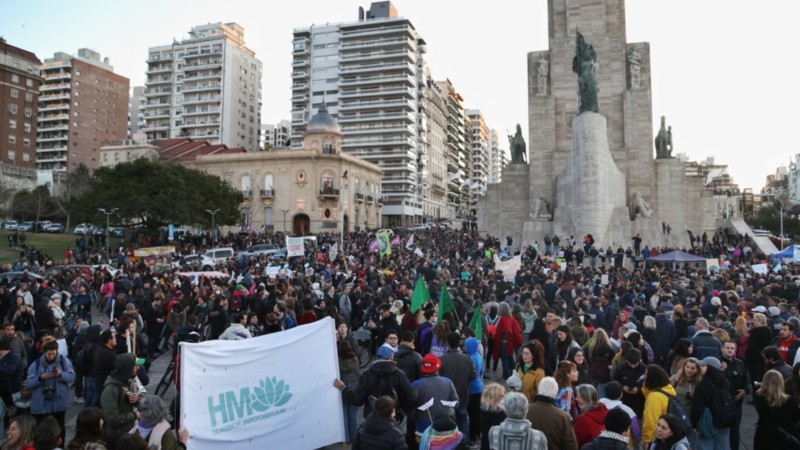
(541, 76)
(541, 209)
(634, 68)
(640, 207)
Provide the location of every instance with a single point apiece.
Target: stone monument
(590, 165)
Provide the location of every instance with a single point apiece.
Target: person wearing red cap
(435, 393)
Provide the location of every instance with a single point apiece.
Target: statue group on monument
(634, 67)
(541, 77)
(584, 65)
(664, 140)
(518, 153)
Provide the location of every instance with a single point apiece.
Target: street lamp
(213, 227)
(108, 216)
(284, 211)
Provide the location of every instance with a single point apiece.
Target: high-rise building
(497, 158)
(479, 134)
(278, 135)
(19, 100)
(369, 74)
(83, 105)
(458, 153)
(206, 87)
(434, 144)
(136, 111)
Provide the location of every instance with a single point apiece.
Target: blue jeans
(721, 442)
(350, 421)
(91, 392)
(462, 417)
(508, 362)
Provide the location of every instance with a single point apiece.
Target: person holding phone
(49, 378)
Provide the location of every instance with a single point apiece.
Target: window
(12, 108)
(27, 127)
(12, 155)
(26, 142)
(14, 78)
(28, 82)
(12, 123)
(28, 112)
(29, 97)
(14, 93)
(26, 156)
(12, 139)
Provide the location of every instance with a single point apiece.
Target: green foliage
(769, 218)
(155, 194)
(35, 205)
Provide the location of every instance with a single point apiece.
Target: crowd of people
(591, 353)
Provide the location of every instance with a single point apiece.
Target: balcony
(246, 193)
(359, 31)
(54, 107)
(54, 87)
(377, 104)
(378, 80)
(163, 80)
(197, 54)
(197, 100)
(50, 127)
(376, 116)
(379, 56)
(300, 63)
(201, 87)
(363, 68)
(299, 86)
(210, 123)
(267, 193)
(328, 192)
(372, 92)
(199, 112)
(203, 65)
(157, 115)
(51, 97)
(59, 149)
(299, 75)
(53, 159)
(57, 76)
(51, 139)
(158, 69)
(377, 44)
(202, 76)
(53, 118)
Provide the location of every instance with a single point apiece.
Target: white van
(219, 253)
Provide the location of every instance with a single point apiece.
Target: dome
(322, 122)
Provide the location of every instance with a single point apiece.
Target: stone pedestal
(591, 186)
(508, 204)
(672, 199)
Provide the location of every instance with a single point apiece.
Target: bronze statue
(583, 64)
(518, 153)
(664, 140)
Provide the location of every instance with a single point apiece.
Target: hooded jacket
(472, 346)
(377, 432)
(118, 411)
(655, 406)
(60, 402)
(590, 424)
(408, 360)
(379, 379)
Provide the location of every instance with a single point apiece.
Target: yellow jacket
(530, 382)
(655, 406)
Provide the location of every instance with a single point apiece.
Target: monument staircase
(763, 244)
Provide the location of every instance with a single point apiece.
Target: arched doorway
(346, 224)
(301, 225)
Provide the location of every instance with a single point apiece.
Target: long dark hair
(537, 351)
(677, 432)
(681, 349)
(563, 346)
(87, 428)
(655, 377)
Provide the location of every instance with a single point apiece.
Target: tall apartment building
(19, 105)
(458, 153)
(369, 74)
(83, 105)
(136, 111)
(205, 87)
(434, 141)
(497, 158)
(479, 141)
(278, 135)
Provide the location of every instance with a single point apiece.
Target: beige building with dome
(312, 190)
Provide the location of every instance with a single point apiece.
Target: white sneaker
(79, 400)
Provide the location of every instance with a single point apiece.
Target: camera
(49, 393)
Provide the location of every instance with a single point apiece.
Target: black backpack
(674, 407)
(84, 359)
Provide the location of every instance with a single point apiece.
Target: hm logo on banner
(230, 410)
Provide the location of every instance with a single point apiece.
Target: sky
(720, 69)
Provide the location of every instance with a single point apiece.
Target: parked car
(11, 225)
(83, 228)
(279, 255)
(258, 249)
(72, 270)
(219, 253)
(25, 226)
(10, 276)
(54, 228)
(196, 262)
(117, 231)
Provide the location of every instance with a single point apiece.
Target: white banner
(254, 393)
(509, 267)
(294, 246)
(760, 268)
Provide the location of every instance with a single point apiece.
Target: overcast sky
(721, 69)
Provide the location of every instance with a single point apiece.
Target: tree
(35, 205)
(155, 194)
(6, 194)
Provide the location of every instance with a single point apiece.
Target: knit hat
(617, 421)
(710, 361)
(760, 309)
(384, 352)
(774, 311)
(445, 420)
(430, 364)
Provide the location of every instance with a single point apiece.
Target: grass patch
(52, 244)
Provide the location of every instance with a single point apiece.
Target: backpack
(84, 359)
(235, 303)
(674, 407)
(389, 390)
(724, 409)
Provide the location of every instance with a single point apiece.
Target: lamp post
(108, 216)
(213, 225)
(284, 211)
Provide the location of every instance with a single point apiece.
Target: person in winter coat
(713, 380)
(507, 338)
(49, 378)
(154, 425)
(553, 422)
(348, 373)
(530, 368)
(433, 388)
(629, 375)
(776, 412)
(615, 436)
(669, 435)
(666, 336)
(492, 412)
(378, 431)
(590, 422)
(117, 401)
(656, 391)
(408, 360)
(760, 337)
(237, 331)
(515, 432)
(472, 346)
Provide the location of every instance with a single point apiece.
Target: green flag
(445, 304)
(419, 296)
(476, 324)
